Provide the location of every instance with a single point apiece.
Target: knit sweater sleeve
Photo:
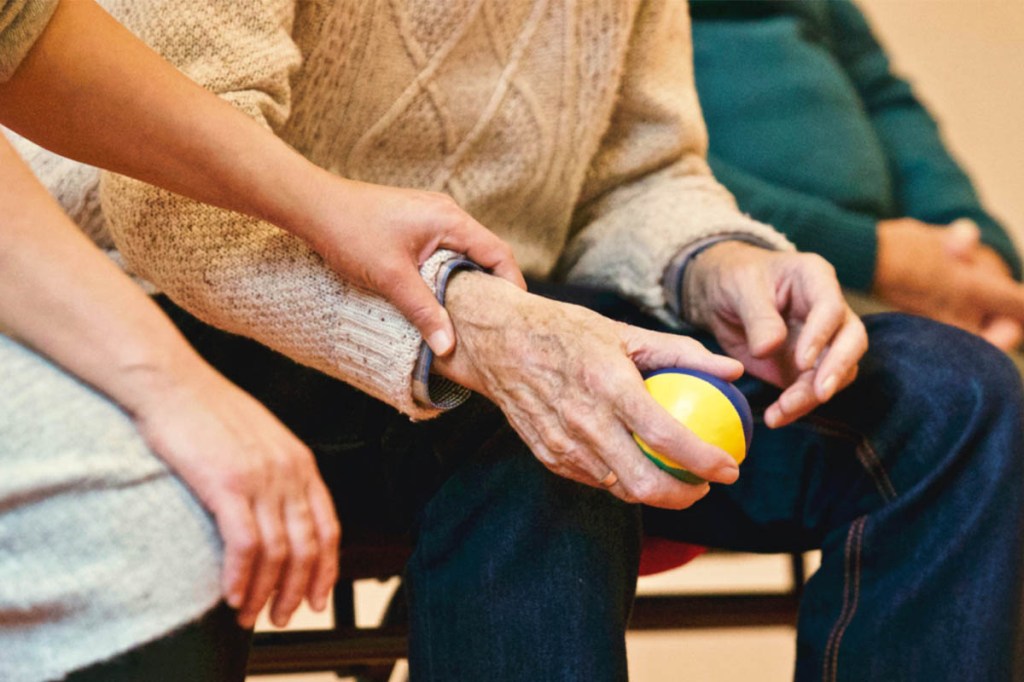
(241, 274)
(649, 191)
(929, 184)
(21, 23)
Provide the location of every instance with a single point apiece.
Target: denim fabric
(910, 482)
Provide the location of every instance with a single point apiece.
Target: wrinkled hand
(783, 315)
(378, 237)
(963, 242)
(947, 274)
(261, 484)
(569, 382)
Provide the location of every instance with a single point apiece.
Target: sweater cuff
(673, 279)
(433, 390)
(21, 24)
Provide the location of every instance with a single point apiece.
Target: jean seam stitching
(851, 596)
(872, 463)
(866, 453)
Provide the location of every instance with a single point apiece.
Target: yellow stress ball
(713, 409)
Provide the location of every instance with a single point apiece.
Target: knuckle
(576, 458)
(644, 489)
(331, 536)
(284, 466)
(246, 543)
(662, 437)
(559, 445)
(304, 554)
(301, 457)
(420, 314)
(241, 477)
(582, 423)
(819, 264)
(595, 379)
(444, 205)
(275, 551)
(502, 252)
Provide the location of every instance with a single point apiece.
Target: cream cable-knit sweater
(21, 23)
(571, 129)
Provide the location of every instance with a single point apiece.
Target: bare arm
(60, 295)
(91, 91)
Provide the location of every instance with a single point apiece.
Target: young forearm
(62, 296)
(91, 91)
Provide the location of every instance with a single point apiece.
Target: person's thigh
(213, 648)
(379, 466)
(919, 426)
(911, 404)
(910, 482)
(516, 573)
(866, 304)
(101, 548)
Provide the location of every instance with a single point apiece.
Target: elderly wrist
(480, 306)
(703, 272)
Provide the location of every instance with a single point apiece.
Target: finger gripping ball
(711, 408)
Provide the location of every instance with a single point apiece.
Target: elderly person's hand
(782, 314)
(569, 382)
(946, 273)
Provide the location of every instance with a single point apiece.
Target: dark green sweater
(814, 134)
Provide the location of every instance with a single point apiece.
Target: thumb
(962, 238)
(417, 303)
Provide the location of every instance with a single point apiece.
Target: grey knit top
(102, 548)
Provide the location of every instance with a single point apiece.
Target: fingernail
(810, 356)
(234, 600)
(440, 342)
(728, 473)
(319, 603)
(828, 386)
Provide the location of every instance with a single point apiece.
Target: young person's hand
(261, 484)
(378, 237)
(88, 91)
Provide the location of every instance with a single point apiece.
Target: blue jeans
(909, 481)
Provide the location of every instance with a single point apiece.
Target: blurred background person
(812, 131)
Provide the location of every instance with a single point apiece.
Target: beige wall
(966, 60)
